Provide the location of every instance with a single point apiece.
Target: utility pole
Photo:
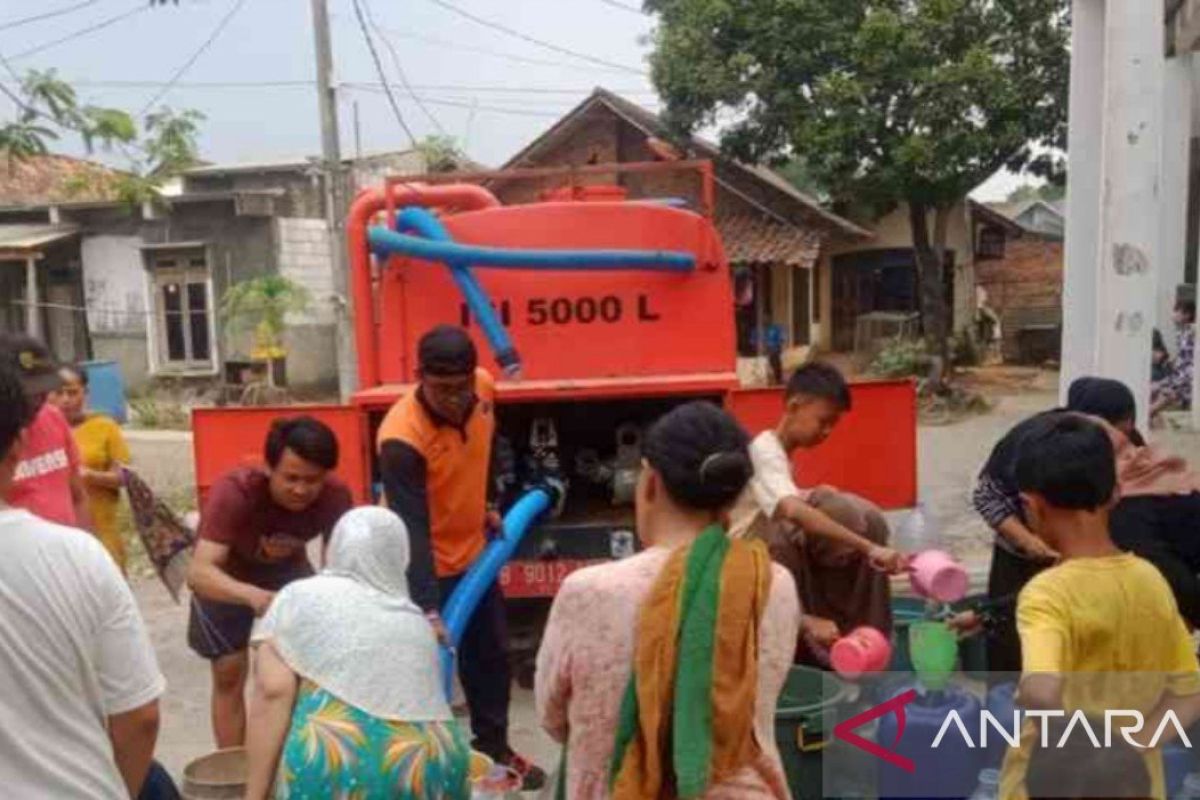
(335, 200)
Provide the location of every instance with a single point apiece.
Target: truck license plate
(522, 579)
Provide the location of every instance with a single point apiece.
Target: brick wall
(1023, 288)
(306, 258)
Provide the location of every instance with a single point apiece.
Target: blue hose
(457, 611)
(385, 242)
(421, 221)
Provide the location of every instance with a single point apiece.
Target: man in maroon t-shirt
(254, 530)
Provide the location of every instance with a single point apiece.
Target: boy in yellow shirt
(1099, 631)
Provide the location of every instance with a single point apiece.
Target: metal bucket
(216, 776)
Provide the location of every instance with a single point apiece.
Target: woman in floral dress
(347, 701)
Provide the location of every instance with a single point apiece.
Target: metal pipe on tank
(367, 204)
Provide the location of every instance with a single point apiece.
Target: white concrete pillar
(1130, 257)
(32, 321)
(1178, 78)
(1084, 181)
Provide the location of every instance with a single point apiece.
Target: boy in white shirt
(834, 543)
(81, 684)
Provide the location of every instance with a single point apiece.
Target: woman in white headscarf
(346, 699)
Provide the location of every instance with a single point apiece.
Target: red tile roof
(756, 239)
(54, 179)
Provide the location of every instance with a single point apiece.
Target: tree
(1049, 192)
(265, 302)
(441, 153)
(887, 101)
(47, 107)
(798, 173)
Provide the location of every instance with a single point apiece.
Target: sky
(493, 92)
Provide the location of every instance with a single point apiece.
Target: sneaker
(533, 777)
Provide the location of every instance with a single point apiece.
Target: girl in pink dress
(599, 675)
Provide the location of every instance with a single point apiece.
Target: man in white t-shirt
(833, 543)
(79, 704)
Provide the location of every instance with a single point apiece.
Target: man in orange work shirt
(435, 448)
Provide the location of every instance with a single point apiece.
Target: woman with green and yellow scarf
(660, 673)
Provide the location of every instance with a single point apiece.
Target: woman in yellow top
(102, 450)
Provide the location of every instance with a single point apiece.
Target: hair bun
(726, 471)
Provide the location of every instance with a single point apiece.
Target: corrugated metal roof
(292, 164)
(31, 237)
(191, 244)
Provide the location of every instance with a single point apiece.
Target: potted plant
(265, 302)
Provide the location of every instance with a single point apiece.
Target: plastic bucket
(106, 389)
(934, 651)
(972, 651)
(480, 765)
(216, 776)
(800, 727)
(863, 650)
(936, 575)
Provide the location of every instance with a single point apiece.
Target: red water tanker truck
(591, 356)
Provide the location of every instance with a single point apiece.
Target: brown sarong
(833, 580)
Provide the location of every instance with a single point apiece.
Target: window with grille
(183, 311)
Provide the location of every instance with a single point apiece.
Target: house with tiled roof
(54, 178)
(141, 285)
(819, 276)
(774, 234)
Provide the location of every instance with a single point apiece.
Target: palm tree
(265, 302)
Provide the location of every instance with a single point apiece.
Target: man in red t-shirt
(47, 481)
(254, 530)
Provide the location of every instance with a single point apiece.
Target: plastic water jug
(1178, 765)
(106, 388)
(917, 532)
(1191, 787)
(951, 770)
(1001, 703)
(988, 787)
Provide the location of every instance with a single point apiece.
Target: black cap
(446, 350)
(34, 364)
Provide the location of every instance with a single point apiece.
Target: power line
(487, 23)
(516, 112)
(70, 37)
(362, 25)
(132, 84)
(466, 48)
(16, 98)
(399, 69)
(16, 23)
(454, 88)
(9, 68)
(622, 6)
(201, 50)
